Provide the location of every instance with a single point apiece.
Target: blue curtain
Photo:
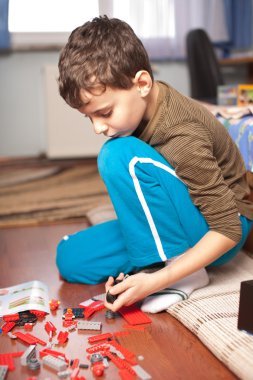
(239, 22)
(4, 32)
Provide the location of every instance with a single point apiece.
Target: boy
(175, 177)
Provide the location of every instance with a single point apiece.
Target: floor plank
(170, 351)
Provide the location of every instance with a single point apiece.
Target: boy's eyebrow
(101, 109)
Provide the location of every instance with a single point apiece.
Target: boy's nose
(100, 128)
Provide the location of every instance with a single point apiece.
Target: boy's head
(99, 54)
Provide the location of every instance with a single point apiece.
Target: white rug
(211, 314)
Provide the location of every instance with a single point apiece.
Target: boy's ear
(143, 82)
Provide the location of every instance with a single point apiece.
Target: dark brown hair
(102, 52)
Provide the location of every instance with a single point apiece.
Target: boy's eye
(107, 114)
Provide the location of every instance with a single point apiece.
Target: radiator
(68, 132)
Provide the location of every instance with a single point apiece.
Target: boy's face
(114, 112)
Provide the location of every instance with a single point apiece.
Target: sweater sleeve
(190, 151)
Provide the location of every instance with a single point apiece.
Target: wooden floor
(170, 351)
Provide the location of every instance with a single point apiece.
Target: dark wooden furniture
(240, 61)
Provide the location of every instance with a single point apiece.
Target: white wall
(22, 105)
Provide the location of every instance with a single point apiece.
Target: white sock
(179, 291)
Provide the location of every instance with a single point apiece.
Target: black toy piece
(245, 318)
(110, 298)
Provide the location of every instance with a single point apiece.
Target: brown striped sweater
(204, 156)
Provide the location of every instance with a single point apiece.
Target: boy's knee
(63, 260)
(72, 264)
(114, 153)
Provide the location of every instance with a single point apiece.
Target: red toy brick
(98, 347)
(36, 340)
(7, 359)
(8, 326)
(136, 327)
(54, 304)
(93, 307)
(120, 363)
(126, 375)
(62, 336)
(74, 374)
(129, 356)
(56, 354)
(69, 323)
(98, 338)
(50, 329)
(98, 369)
(28, 326)
(38, 313)
(11, 317)
(120, 333)
(133, 315)
(75, 364)
(25, 337)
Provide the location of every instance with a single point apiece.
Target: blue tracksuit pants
(156, 218)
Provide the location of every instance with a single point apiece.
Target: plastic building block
(28, 354)
(3, 371)
(28, 326)
(94, 358)
(100, 337)
(33, 364)
(85, 366)
(126, 375)
(72, 327)
(54, 363)
(97, 348)
(8, 326)
(12, 336)
(120, 363)
(24, 337)
(74, 373)
(68, 315)
(26, 317)
(11, 317)
(93, 307)
(97, 365)
(110, 298)
(29, 338)
(141, 373)
(75, 363)
(50, 329)
(87, 325)
(128, 355)
(69, 323)
(37, 340)
(245, 318)
(134, 327)
(133, 315)
(120, 333)
(64, 374)
(7, 359)
(62, 337)
(56, 354)
(98, 369)
(109, 314)
(77, 312)
(38, 313)
(54, 304)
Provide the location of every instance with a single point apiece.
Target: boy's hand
(132, 289)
